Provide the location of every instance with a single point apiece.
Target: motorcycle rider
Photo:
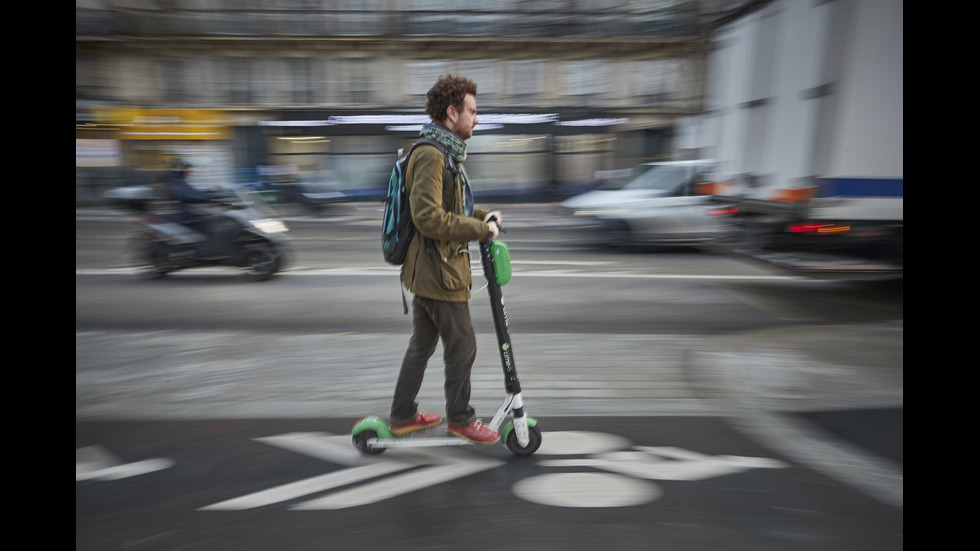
(213, 240)
(185, 195)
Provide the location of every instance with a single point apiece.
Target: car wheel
(618, 233)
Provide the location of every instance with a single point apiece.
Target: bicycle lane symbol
(629, 471)
(617, 473)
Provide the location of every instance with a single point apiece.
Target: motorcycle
(244, 233)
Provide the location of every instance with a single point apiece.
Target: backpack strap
(450, 171)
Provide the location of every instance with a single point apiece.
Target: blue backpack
(397, 228)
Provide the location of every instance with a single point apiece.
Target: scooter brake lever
(499, 227)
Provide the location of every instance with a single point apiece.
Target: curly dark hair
(448, 90)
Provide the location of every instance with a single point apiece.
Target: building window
(358, 84)
(300, 81)
(655, 82)
(422, 75)
(525, 81)
(585, 82)
(240, 81)
(484, 74)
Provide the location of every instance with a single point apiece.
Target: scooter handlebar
(493, 218)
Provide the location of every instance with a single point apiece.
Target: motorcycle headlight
(268, 225)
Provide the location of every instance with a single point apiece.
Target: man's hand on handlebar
(495, 216)
(493, 220)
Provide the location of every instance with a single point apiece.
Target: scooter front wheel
(534, 442)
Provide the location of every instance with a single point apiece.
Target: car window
(691, 184)
(661, 178)
(677, 178)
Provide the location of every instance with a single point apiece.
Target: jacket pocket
(455, 268)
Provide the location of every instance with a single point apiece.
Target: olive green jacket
(443, 273)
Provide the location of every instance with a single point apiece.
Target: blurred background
(798, 106)
(255, 92)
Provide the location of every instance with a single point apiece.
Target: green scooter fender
(531, 421)
(372, 423)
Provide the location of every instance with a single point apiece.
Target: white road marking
(307, 486)
(381, 490)
(95, 463)
(666, 463)
(439, 466)
(586, 490)
(625, 482)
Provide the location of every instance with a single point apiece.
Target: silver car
(663, 203)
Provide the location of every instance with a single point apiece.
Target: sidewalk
(822, 368)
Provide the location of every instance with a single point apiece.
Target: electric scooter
(372, 435)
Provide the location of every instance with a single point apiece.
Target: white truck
(804, 112)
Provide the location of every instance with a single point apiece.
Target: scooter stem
(497, 306)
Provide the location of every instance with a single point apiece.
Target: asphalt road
(692, 404)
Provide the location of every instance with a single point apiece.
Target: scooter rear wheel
(360, 442)
(534, 442)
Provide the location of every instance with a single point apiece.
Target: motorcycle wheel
(261, 261)
(148, 259)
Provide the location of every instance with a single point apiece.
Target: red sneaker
(475, 432)
(422, 422)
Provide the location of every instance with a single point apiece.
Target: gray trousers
(432, 319)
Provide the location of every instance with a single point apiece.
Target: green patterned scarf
(455, 145)
(457, 149)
